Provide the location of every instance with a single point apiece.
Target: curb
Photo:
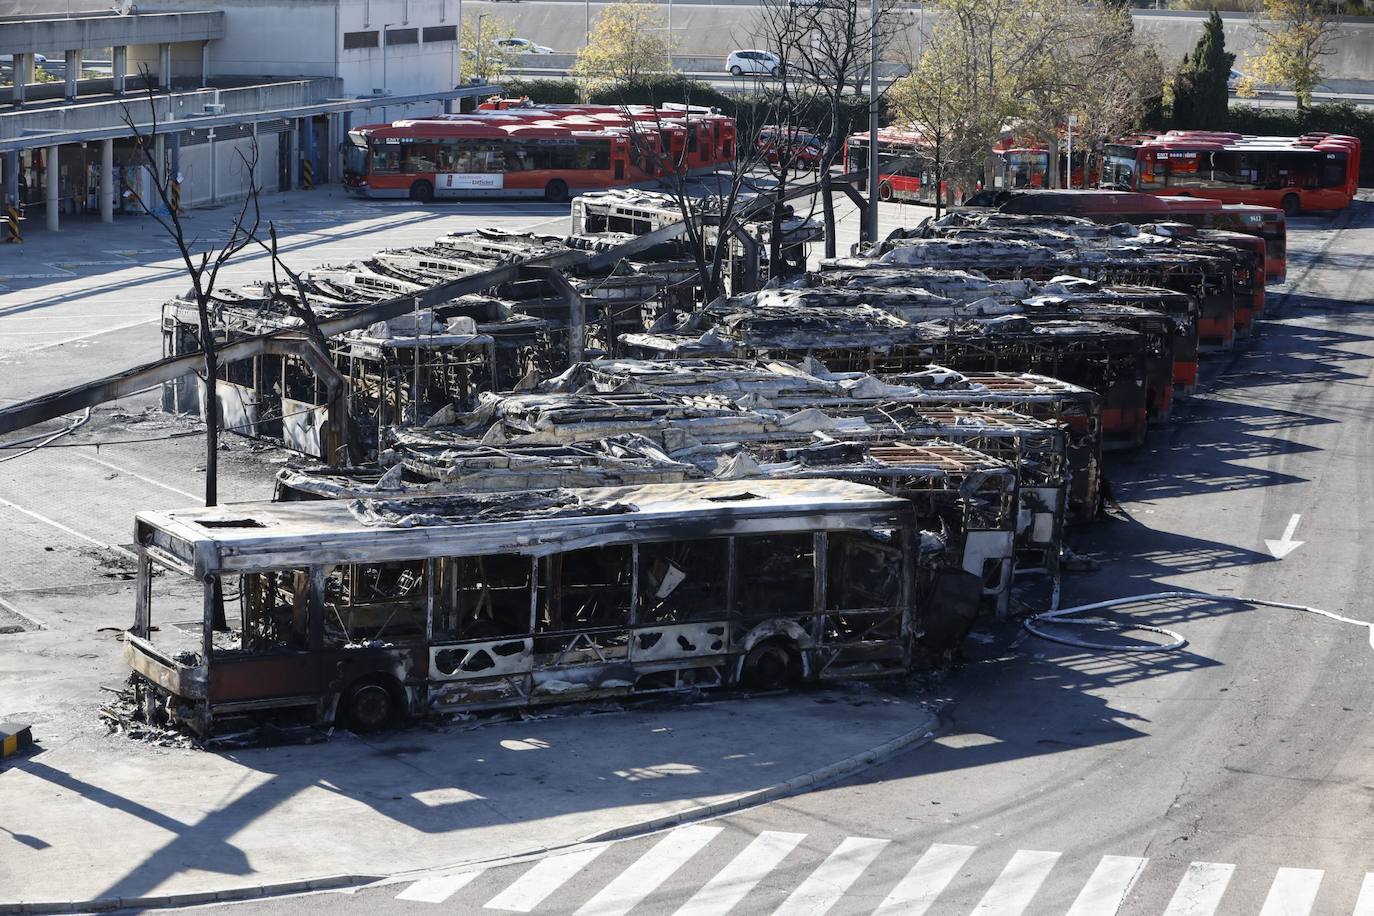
(194, 898)
(825, 774)
(796, 784)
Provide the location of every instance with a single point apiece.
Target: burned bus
(372, 610)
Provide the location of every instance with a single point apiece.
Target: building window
(402, 37)
(441, 33)
(354, 40)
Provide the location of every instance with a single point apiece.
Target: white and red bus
(1316, 171)
(913, 180)
(523, 151)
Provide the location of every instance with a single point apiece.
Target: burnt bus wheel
(1291, 205)
(370, 705)
(556, 191)
(772, 665)
(422, 192)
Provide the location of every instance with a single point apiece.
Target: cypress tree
(1210, 66)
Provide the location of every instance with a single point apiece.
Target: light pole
(871, 216)
(480, 51)
(588, 39)
(385, 26)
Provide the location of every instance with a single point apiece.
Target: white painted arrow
(1286, 545)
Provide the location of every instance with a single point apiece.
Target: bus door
(275, 658)
(481, 649)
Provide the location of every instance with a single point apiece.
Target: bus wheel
(370, 705)
(1291, 205)
(422, 191)
(885, 191)
(556, 191)
(772, 665)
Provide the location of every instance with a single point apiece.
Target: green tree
(1294, 37)
(1211, 69)
(482, 56)
(628, 43)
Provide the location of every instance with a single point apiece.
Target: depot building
(226, 96)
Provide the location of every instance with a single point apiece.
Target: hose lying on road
(1065, 617)
(46, 437)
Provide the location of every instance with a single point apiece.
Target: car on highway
(7, 63)
(521, 46)
(1233, 80)
(753, 61)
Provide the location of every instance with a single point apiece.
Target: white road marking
(136, 475)
(437, 890)
(1200, 891)
(649, 871)
(1011, 893)
(61, 527)
(1365, 905)
(1293, 892)
(547, 876)
(824, 887)
(1286, 545)
(1106, 890)
(931, 874)
(110, 330)
(21, 615)
(730, 885)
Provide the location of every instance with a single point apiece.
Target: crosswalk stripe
(824, 887)
(1293, 892)
(547, 876)
(931, 874)
(437, 890)
(1111, 881)
(648, 871)
(1011, 893)
(1199, 893)
(731, 883)
(1365, 905)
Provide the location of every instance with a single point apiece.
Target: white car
(521, 46)
(752, 61)
(1233, 80)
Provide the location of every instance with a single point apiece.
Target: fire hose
(1068, 617)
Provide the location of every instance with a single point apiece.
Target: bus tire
(772, 664)
(885, 191)
(1291, 204)
(371, 704)
(556, 191)
(422, 192)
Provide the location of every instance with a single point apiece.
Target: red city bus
(912, 181)
(1103, 206)
(1313, 172)
(531, 152)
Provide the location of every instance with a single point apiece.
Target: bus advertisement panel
(1296, 174)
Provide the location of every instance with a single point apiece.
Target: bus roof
(248, 537)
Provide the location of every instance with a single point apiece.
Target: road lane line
(824, 887)
(547, 876)
(1200, 891)
(437, 890)
(739, 877)
(931, 874)
(650, 870)
(61, 527)
(1011, 893)
(1293, 892)
(67, 340)
(137, 476)
(1365, 905)
(1106, 890)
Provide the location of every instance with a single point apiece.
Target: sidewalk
(99, 818)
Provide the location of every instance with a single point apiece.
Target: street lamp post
(871, 216)
(479, 62)
(385, 26)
